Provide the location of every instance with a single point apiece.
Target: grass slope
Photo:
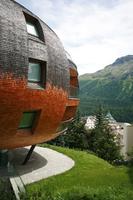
(90, 176)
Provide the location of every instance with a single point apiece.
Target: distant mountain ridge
(123, 59)
(112, 87)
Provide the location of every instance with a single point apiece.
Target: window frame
(35, 22)
(40, 72)
(43, 68)
(35, 29)
(33, 121)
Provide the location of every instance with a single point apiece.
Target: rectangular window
(37, 74)
(34, 72)
(27, 120)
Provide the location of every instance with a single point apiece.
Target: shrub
(6, 192)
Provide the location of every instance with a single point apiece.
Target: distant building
(123, 130)
(127, 140)
(110, 118)
(90, 122)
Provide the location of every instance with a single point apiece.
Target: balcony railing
(73, 92)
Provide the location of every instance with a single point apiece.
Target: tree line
(100, 140)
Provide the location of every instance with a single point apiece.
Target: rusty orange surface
(73, 72)
(16, 98)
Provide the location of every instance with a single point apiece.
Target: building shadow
(17, 157)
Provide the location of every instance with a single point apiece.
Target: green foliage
(102, 140)
(6, 192)
(74, 137)
(90, 179)
(112, 87)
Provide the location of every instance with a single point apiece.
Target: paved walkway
(43, 163)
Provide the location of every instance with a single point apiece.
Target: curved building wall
(16, 45)
(47, 102)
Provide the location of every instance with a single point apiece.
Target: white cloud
(95, 32)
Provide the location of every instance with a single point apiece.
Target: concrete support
(29, 154)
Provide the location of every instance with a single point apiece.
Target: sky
(94, 32)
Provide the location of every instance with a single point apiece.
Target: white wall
(127, 140)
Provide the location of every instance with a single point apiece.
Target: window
(74, 87)
(34, 27)
(34, 72)
(31, 28)
(37, 74)
(27, 120)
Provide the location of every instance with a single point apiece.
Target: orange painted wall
(73, 77)
(15, 98)
(71, 108)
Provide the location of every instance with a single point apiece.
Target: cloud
(95, 32)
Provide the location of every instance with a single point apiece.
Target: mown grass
(90, 178)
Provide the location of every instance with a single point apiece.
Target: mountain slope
(112, 87)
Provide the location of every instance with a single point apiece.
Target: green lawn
(90, 178)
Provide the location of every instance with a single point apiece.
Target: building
(90, 122)
(38, 82)
(124, 131)
(127, 139)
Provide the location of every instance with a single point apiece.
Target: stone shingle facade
(52, 102)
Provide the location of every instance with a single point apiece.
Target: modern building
(38, 80)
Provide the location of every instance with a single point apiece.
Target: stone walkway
(43, 163)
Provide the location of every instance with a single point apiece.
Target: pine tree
(102, 140)
(74, 137)
(75, 134)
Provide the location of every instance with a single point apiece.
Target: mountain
(112, 87)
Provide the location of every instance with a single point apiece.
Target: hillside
(90, 179)
(111, 87)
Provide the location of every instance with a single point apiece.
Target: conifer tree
(74, 137)
(102, 140)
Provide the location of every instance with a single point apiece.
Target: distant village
(123, 130)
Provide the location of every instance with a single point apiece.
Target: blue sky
(94, 32)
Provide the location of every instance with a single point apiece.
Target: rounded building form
(38, 81)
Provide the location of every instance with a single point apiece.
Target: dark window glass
(27, 119)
